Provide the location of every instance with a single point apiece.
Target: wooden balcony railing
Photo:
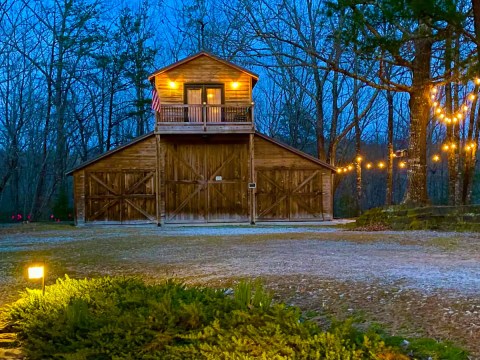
(205, 114)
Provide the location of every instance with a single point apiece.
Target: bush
(119, 318)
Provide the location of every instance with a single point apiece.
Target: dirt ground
(416, 283)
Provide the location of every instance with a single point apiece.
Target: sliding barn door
(121, 196)
(206, 182)
(289, 194)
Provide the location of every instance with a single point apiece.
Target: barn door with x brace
(289, 194)
(206, 183)
(121, 196)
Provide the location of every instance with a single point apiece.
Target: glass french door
(196, 95)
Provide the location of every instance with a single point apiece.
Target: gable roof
(207, 54)
(296, 151)
(108, 153)
(146, 136)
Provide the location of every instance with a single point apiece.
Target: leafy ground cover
(415, 284)
(121, 318)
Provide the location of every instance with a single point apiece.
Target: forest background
(352, 82)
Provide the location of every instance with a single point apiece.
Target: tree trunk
(419, 113)
(389, 195)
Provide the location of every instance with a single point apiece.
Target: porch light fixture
(172, 84)
(37, 271)
(235, 85)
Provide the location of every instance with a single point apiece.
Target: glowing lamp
(436, 158)
(433, 96)
(434, 90)
(369, 166)
(471, 97)
(381, 164)
(35, 272)
(402, 164)
(453, 146)
(459, 116)
(350, 167)
(359, 158)
(477, 81)
(465, 108)
(172, 84)
(235, 85)
(445, 147)
(438, 110)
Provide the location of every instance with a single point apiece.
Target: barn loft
(204, 162)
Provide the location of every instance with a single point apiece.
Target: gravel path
(413, 258)
(416, 283)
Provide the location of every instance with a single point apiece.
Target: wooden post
(160, 181)
(204, 116)
(252, 191)
(253, 118)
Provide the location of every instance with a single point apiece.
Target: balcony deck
(205, 118)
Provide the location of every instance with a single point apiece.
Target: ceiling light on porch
(172, 84)
(235, 85)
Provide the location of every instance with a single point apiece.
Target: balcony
(205, 118)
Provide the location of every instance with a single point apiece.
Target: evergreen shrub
(124, 318)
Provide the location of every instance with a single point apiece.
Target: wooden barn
(204, 162)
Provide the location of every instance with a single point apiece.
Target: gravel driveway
(416, 282)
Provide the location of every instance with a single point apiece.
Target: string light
(436, 158)
(402, 164)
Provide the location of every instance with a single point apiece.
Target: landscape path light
(37, 271)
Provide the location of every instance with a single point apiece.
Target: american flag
(155, 101)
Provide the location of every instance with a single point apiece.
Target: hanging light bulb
(465, 108)
(369, 166)
(471, 97)
(436, 158)
(402, 164)
(445, 147)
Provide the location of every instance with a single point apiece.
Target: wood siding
(206, 180)
(204, 70)
(203, 178)
(123, 196)
(290, 187)
(120, 187)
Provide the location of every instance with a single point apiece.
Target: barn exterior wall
(203, 70)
